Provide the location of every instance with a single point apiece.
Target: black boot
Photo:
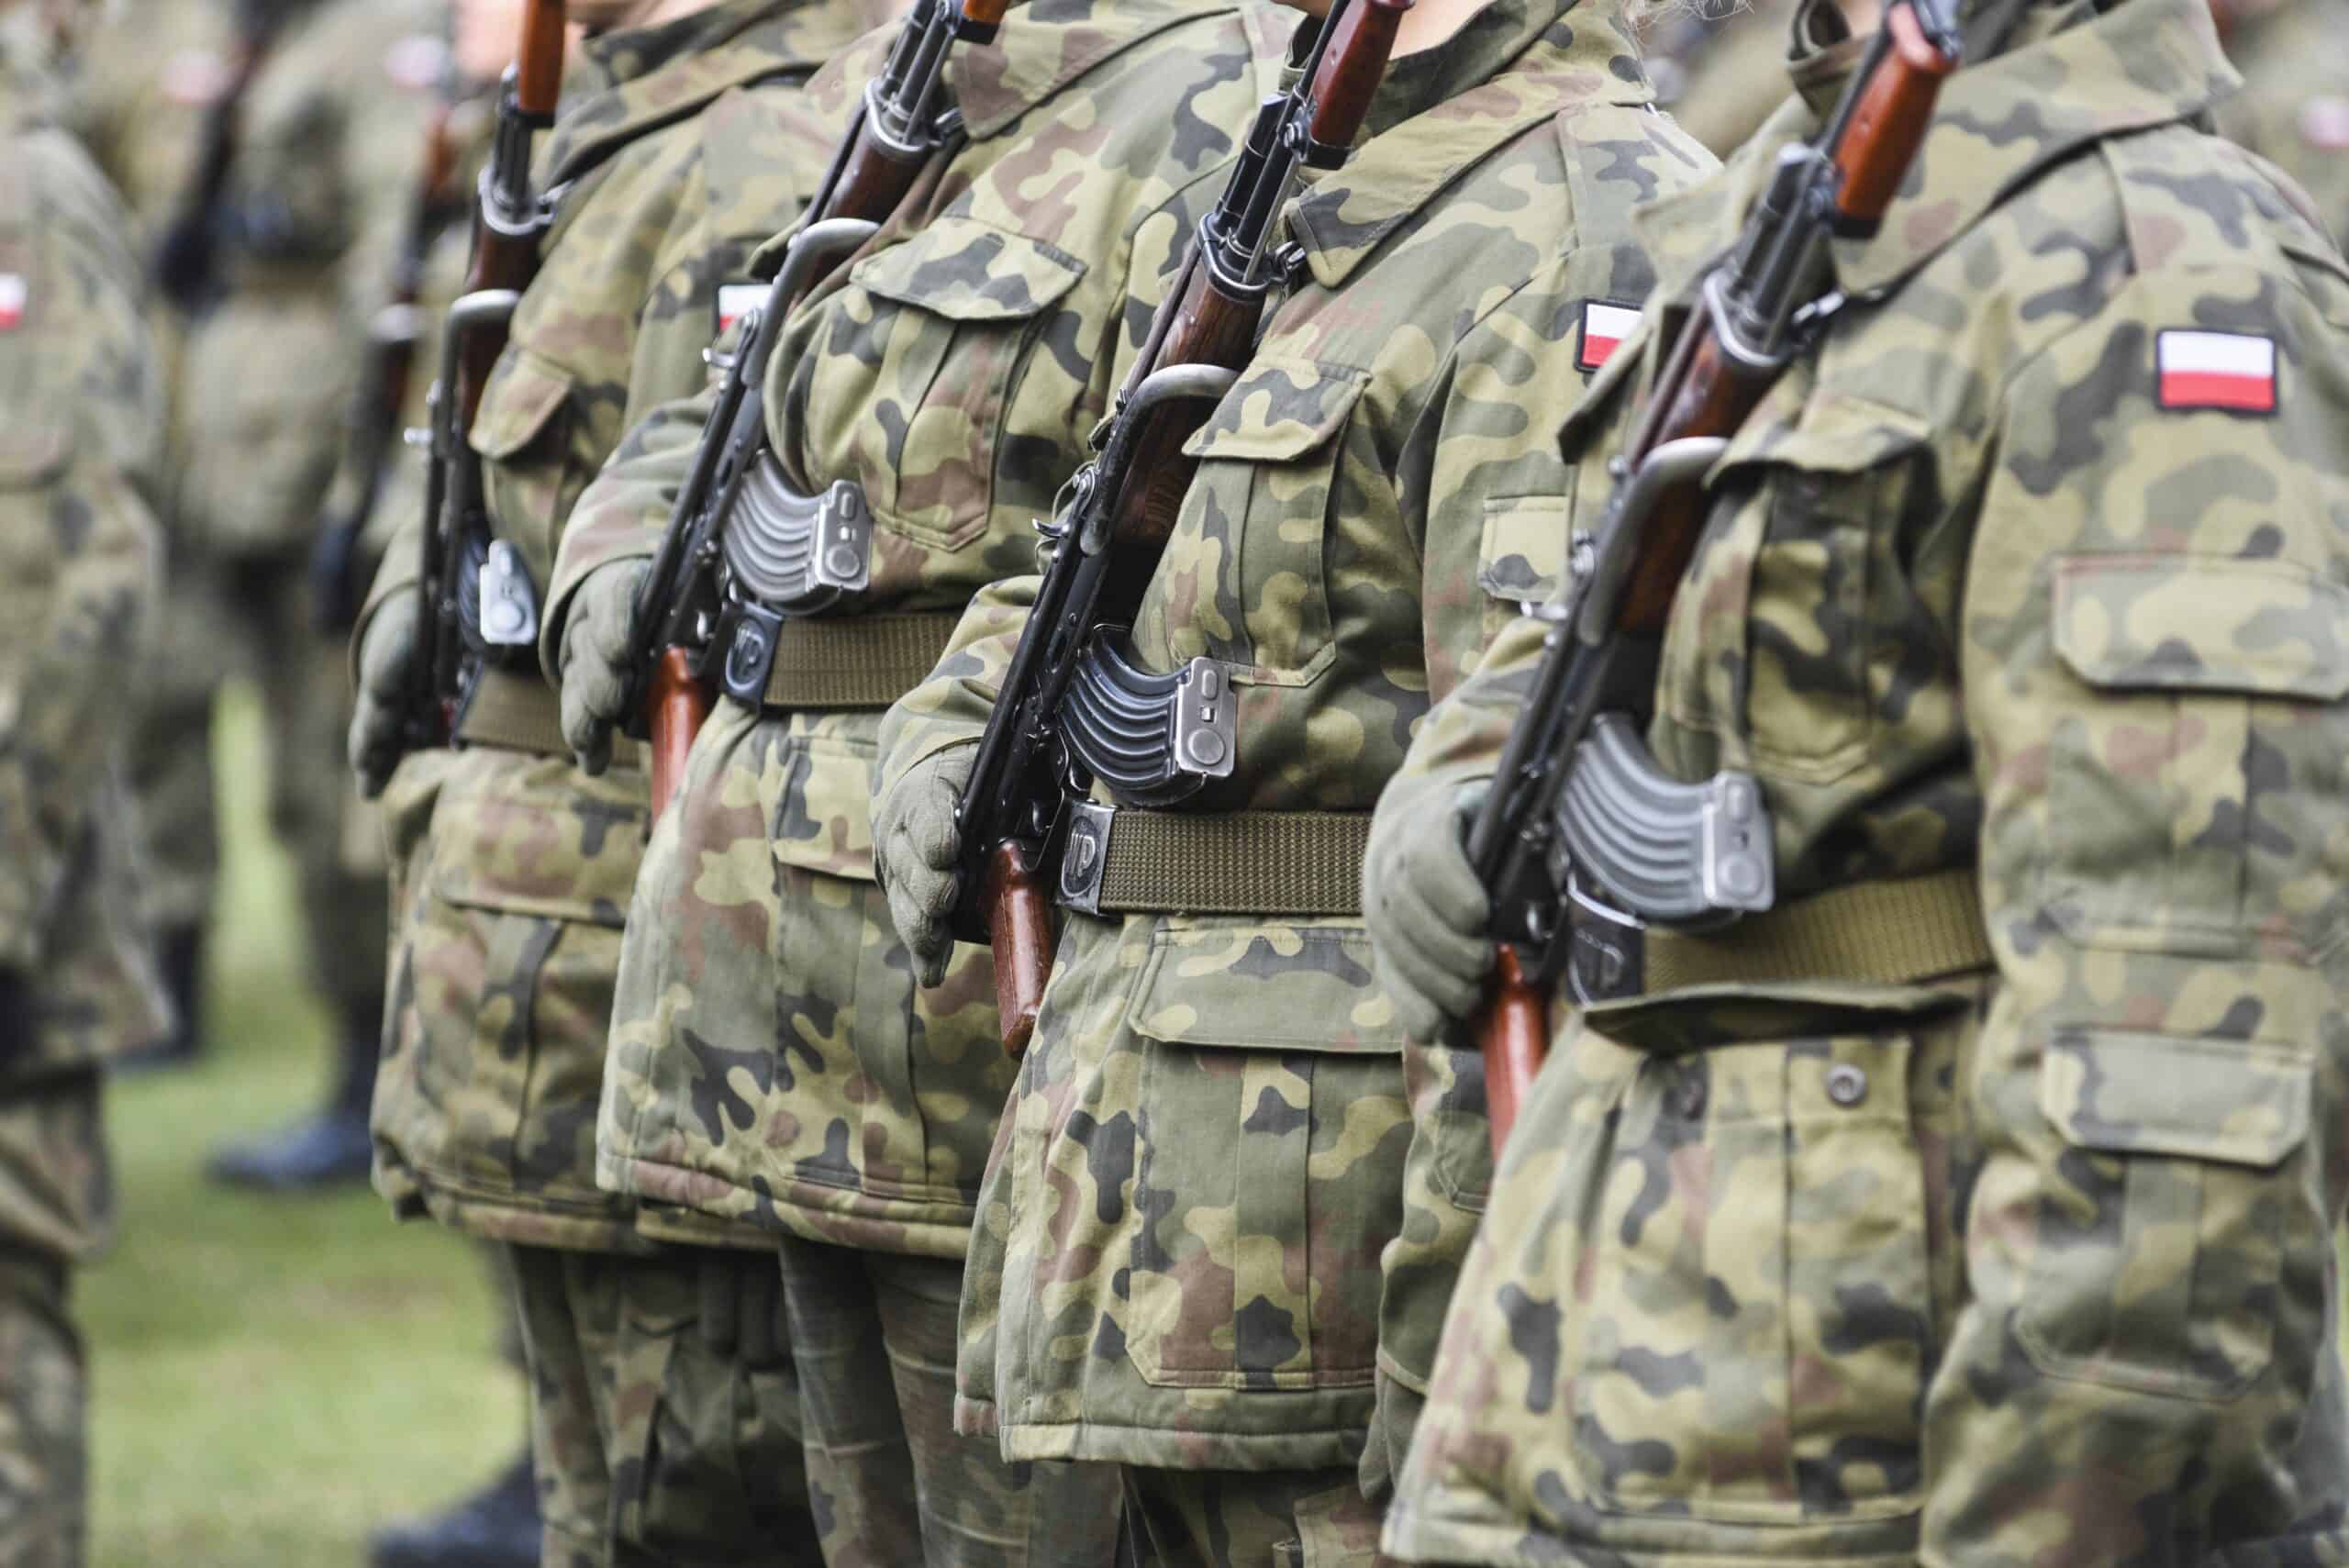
(328, 1148)
(495, 1528)
(179, 953)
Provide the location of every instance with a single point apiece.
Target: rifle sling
(1279, 864)
(856, 662)
(1893, 932)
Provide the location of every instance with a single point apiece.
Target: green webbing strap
(515, 711)
(1238, 863)
(1887, 933)
(856, 660)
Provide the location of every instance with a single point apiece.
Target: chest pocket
(536, 460)
(1250, 559)
(1797, 609)
(908, 384)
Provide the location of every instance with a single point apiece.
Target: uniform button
(1846, 1084)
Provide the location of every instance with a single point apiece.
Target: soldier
(1178, 1266)
(2294, 108)
(665, 1405)
(1720, 74)
(326, 140)
(81, 433)
(772, 1056)
(1977, 1203)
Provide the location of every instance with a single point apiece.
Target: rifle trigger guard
(1660, 473)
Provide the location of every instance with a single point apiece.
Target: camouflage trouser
(665, 1424)
(169, 754)
(43, 1452)
(866, 1323)
(305, 698)
(1234, 1518)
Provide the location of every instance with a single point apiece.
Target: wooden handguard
(1515, 1039)
(674, 712)
(1019, 928)
(1351, 73)
(1889, 122)
(539, 81)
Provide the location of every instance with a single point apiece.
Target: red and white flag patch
(14, 297)
(2217, 369)
(1604, 328)
(737, 300)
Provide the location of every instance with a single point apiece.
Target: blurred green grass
(273, 1377)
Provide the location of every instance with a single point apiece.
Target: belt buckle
(751, 641)
(1606, 948)
(1085, 855)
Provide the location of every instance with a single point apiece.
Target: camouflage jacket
(2034, 574)
(1224, 1095)
(80, 447)
(952, 370)
(328, 136)
(679, 149)
(2294, 108)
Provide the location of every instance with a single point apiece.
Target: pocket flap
(523, 394)
(1264, 987)
(1823, 430)
(548, 845)
(968, 271)
(2202, 623)
(1524, 551)
(2119, 1093)
(1280, 410)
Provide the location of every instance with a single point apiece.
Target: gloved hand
(595, 673)
(1425, 912)
(915, 846)
(385, 656)
(741, 1307)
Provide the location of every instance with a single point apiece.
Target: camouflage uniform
(1177, 1266)
(81, 428)
(2294, 108)
(679, 147)
(2029, 1260)
(952, 371)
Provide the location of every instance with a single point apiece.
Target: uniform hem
(518, 1226)
(1163, 1448)
(836, 1217)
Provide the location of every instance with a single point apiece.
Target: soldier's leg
(42, 1442)
(565, 1302)
(860, 1466)
(1232, 1519)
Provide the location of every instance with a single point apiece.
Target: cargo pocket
(1273, 1133)
(1520, 561)
(923, 354)
(531, 874)
(533, 470)
(1756, 1331)
(1804, 550)
(2196, 769)
(2161, 1236)
(1268, 470)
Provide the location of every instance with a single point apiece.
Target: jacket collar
(633, 83)
(2145, 63)
(1044, 45)
(1514, 64)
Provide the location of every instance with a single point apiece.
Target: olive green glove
(386, 655)
(594, 674)
(915, 848)
(1426, 911)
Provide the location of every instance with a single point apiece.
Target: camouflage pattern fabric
(2294, 108)
(2034, 1264)
(862, 1320)
(652, 1442)
(683, 145)
(1290, 1519)
(44, 1443)
(953, 370)
(1179, 1258)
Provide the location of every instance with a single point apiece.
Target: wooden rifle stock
(1019, 929)
(1514, 1037)
(1890, 123)
(678, 706)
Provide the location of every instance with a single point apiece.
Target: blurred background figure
(81, 443)
(2294, 110)
(1719, 66)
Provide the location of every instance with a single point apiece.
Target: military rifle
(1114, 517)
(385, 376)
(1578, 813)
(453, 570)
(901, 122)
(187, 257)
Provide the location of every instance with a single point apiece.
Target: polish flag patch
(1604, 328)
(2217, 369)
(13, 298)
(737, 300)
